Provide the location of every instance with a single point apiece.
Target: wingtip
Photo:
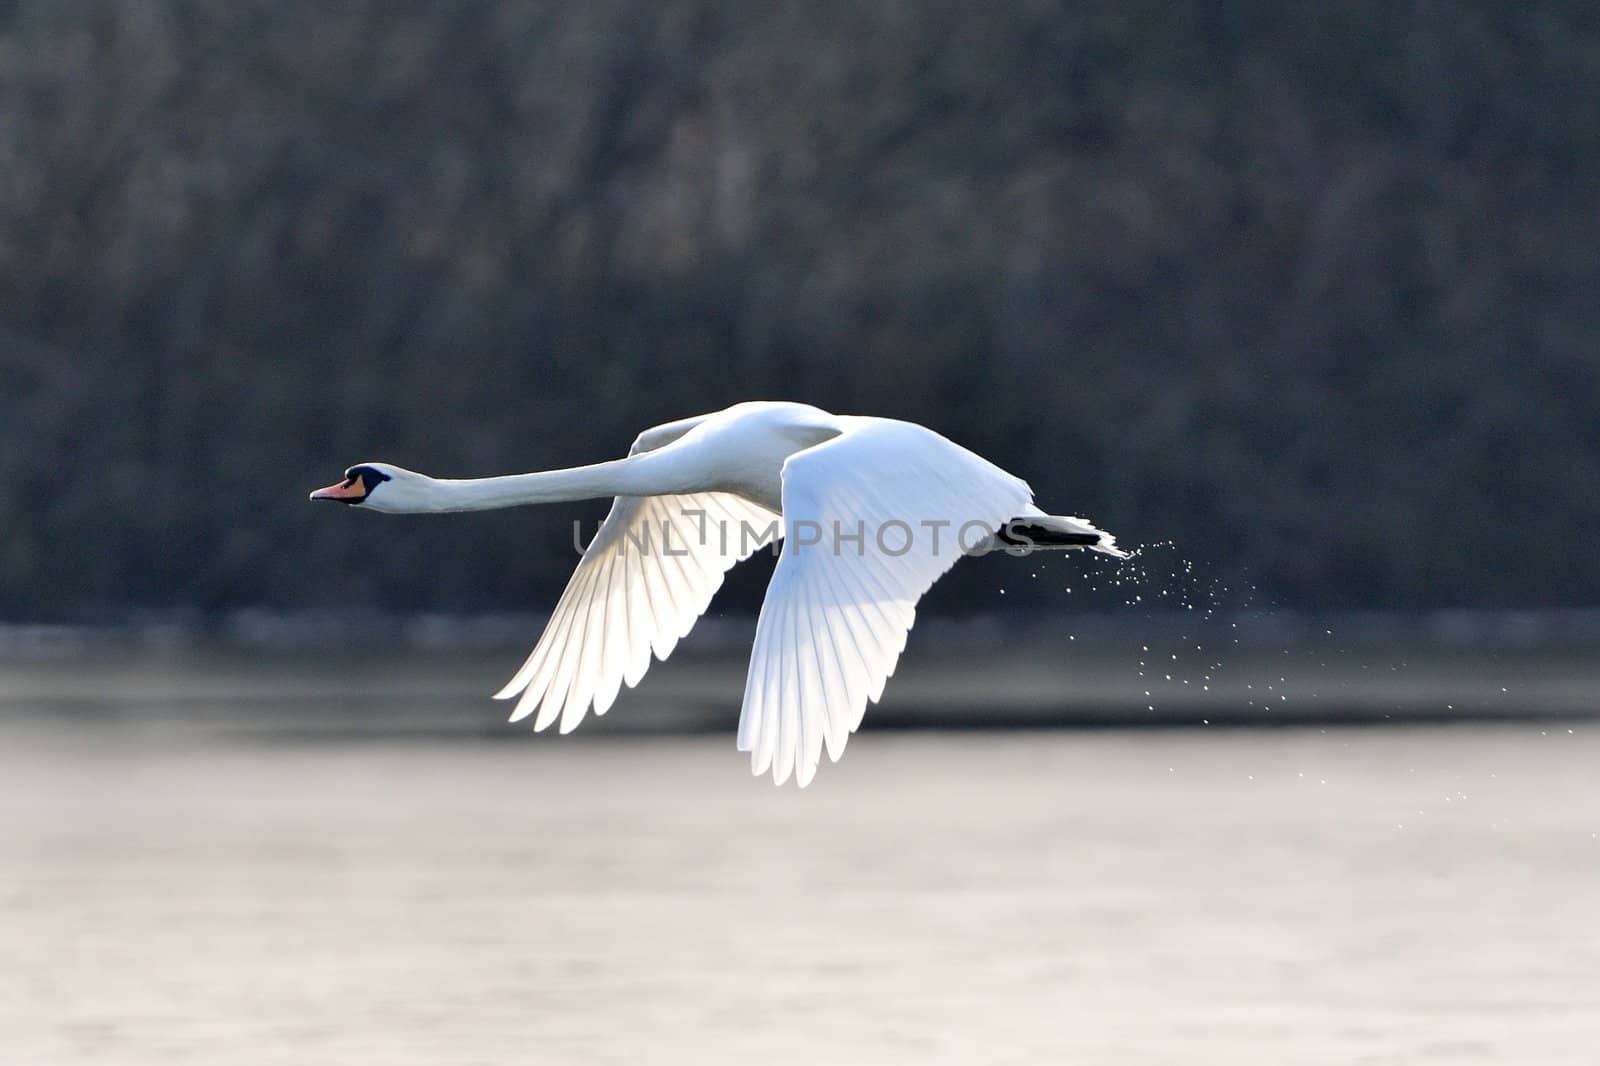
(520, 711)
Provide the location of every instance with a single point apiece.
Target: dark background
(1308, 289)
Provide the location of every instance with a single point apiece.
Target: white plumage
(837, 612)
(642, 583)
(872, 512)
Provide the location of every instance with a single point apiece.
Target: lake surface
(1357, 895)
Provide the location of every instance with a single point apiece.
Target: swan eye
(369, 478)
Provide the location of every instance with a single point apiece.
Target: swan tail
(1042, 532)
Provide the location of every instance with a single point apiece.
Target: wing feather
(648, 575)
(836, 618)
(809, 673)
(547, 684)
(835, 698)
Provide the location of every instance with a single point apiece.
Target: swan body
(871, 512)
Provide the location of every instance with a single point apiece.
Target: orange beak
(351, 491)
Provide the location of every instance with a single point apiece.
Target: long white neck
(637, 475)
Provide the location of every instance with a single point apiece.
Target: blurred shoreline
(260, 629)
(359, 675)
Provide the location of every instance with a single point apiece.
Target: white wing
(836, 616)
(642, 583)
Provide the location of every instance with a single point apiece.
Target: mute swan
(871, 511)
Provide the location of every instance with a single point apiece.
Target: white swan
(872, 512)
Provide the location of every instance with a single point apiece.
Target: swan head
(378, 487)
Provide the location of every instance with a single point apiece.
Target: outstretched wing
(642, 583)
(839, 608)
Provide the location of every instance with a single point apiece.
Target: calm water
(1293, 896)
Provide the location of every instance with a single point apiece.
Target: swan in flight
(871, 513)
